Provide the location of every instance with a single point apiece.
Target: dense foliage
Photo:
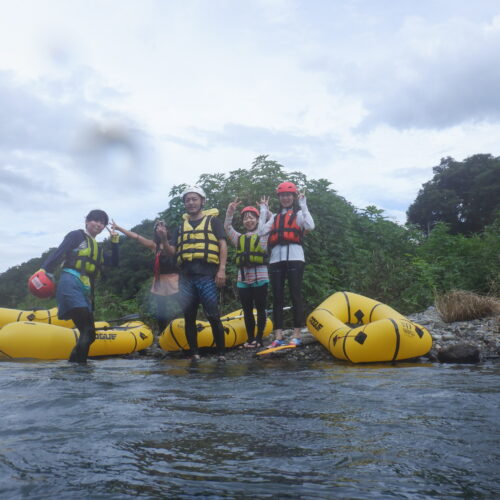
(464, 194)
(356, 250)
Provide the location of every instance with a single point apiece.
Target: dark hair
(156, 238)
(98, 215)
(248, 212)
(295, 207)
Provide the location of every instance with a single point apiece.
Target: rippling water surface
(126, 428)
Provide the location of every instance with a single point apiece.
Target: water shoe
(277, 343)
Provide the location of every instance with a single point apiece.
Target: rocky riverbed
(460, 342)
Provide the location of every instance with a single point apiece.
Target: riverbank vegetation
(459, 305)
(360, 250)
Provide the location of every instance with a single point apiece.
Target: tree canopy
(350, 249)
(465, 195)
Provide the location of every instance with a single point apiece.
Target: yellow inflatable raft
(362, 330)
(29, 340)
(38, 315)
(173, 338)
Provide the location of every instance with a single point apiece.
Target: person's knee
(215, 321)
(211, 308)
(87, 336)
(247, 309)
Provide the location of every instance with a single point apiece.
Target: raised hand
(114, 227)
(264, 200)
(231, 208)
(112, 231)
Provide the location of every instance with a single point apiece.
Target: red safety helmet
(41, 285)
(286, 187)
(252, 210)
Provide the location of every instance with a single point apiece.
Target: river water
(127, 428)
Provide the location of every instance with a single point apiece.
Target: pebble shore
(460, 342)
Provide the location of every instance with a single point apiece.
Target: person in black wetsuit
(82, 260)
(199, 244)
(165, 287)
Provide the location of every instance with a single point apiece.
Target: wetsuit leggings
(196, 290)
(251, 297)
(84, 321)
(293, 271)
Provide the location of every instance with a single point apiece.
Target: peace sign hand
(114, 227)
(264, 200)
(231, 208)
(112, 233)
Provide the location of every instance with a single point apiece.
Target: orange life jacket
(285, 230)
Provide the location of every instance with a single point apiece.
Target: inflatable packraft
(362, 330)
(37, 315)
(173, 338)
(30, 340)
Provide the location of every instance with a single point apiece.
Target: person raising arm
(82, 260)
(253, 278)
(285, 232)
(165, 287)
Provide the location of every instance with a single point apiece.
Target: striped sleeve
(232, 234)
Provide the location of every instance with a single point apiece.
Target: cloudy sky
(109, 103)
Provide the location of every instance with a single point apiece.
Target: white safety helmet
(193, 189)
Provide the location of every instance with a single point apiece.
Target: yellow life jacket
(249, 252)
(86, 259)
(198, 243)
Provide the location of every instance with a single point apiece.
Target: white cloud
(424, 75)
(109, 104)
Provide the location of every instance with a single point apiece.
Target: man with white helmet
(200, 247)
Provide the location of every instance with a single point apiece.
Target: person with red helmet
(253, 278)
(285, 232)
(82, 259)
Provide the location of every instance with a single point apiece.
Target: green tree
(465, 195)
(456, 261)
(379, 261)
(358, 250)
(14, 285)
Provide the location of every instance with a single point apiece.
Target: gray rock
(479, 333)
(448, 337)
(461, 352)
